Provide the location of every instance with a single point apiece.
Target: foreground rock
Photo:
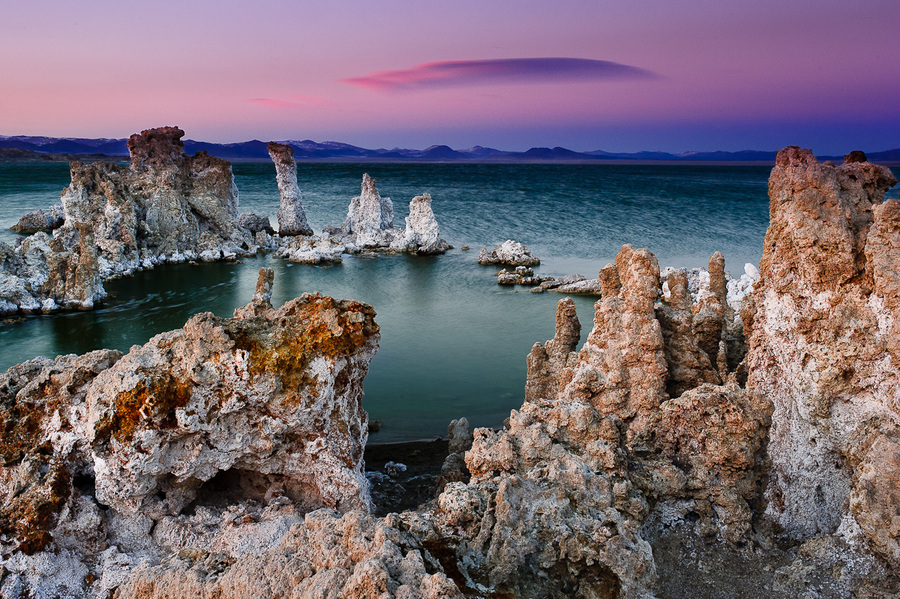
(164, 206)
(662, 458)
(213, 439)
(825, 350)
(291, 217)
(510, 253)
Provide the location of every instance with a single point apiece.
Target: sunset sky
(584, 74)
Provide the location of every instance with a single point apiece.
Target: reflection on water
(453, 342)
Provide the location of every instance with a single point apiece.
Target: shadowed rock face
(825, 346)
(291, 217)
(38, 220)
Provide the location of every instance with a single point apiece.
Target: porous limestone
(824, 346)
(215, 438)
(164, 206)
(510, 253)
(370, 217)
(291, 217)
(422, 235)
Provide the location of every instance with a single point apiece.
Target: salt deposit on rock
(369, 227)
(215, 438)
(824, 348)
(370, 217)
(306, 250)
(422, 235)
(511, 253)
(163, 207)
(38, 220)
(291, 217)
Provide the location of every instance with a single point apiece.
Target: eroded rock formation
(164, 206)
(369, 227)
(510, 253)
(217, 437)
(370, 217)
(825, 348)
(422, 234)
(291, 217)
(660, 457)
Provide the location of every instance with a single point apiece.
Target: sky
(658, 75)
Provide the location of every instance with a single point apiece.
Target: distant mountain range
(22, 147)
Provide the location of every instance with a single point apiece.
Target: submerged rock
(291, 217)
(511, 253)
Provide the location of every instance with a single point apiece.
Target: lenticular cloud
(508, 70)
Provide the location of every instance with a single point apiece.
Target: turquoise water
(453, 341)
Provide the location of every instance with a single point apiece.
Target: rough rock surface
(522, 275)
(212, 439)
(656, 460)
(328, 555)
(422, 235)
(511, 253)
(368, 227)
(164, 206)
(38, 220)
(309, 250)
(255, 223)
(558, 498)
(370, 217)
(824, 349)
(548, 361)
(291, 217)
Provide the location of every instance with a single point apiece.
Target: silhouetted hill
(336, 151)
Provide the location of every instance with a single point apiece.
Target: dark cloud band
(509, 70)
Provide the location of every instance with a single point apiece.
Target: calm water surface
(453, 342)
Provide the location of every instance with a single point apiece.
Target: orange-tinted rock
(547, 363)
(217, 437)
(278, 391)
(824, 343)
(621, 370)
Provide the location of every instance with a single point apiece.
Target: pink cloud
(507, 70)
(295, 101)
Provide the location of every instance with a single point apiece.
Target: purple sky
(585, 74)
